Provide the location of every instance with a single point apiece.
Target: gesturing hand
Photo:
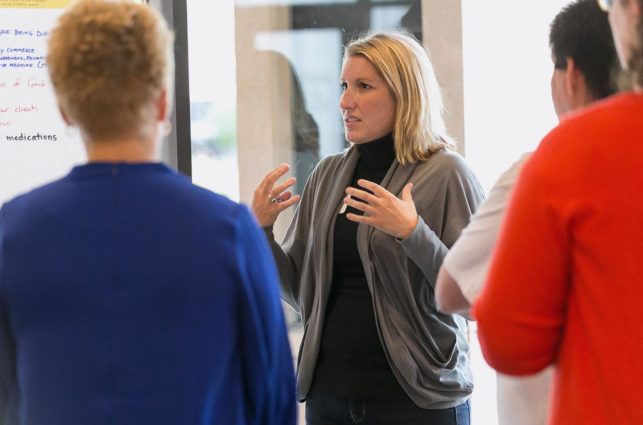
(382, 209)
(269, 200)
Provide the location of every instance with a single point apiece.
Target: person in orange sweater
(570, 255)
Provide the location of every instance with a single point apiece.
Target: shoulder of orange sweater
(575, 146)
(598, 111)
(594, 121)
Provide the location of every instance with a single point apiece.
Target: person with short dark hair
(581, 43)
(584, 55)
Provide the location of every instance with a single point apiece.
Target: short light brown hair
(406, 67)
(109, 61)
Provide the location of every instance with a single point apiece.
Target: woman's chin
(353, 138)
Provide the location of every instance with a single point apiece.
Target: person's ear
(574, 79)
(578, 92)
(64, 115)
(162, 106)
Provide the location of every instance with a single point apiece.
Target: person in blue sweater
(127, 294)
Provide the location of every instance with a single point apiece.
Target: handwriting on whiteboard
(28, 111)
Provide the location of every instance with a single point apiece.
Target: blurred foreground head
(111, 65)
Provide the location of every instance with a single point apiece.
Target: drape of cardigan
(427, 350)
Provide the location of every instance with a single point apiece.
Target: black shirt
(351, 362)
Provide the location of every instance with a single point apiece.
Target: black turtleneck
(351, 362)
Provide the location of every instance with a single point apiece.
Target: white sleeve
(468, 260)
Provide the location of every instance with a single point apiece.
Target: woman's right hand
(270, 200)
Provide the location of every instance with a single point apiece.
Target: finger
(358, 205)
(269, 180)
(284, 196)
(287, 203)
(359, 218)
(277, 190)
(362, 194)
(281, 197)
(374, 187)
(406, 193)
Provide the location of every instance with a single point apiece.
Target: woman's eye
(364, 86)
(344, 86)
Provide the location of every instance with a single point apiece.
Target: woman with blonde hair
(127, 294)
(360, 257)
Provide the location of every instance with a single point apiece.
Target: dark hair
(581, 31)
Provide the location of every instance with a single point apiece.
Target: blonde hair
(108, 62)
(406, 67)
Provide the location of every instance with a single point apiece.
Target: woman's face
(624, 17)
(366, 104)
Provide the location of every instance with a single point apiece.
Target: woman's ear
(162, 106)
(64, 115)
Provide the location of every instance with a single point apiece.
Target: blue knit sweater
(130, 296)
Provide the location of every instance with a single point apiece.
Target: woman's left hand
(382, 209)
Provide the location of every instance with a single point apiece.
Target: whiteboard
(35, 144)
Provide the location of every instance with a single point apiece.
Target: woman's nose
(346, 101)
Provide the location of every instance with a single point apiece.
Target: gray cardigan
(427, 350)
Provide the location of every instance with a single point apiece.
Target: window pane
(213, 95)
(508, 109)
(289, 60)
(508, 104)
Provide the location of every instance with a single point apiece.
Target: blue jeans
(323, 410)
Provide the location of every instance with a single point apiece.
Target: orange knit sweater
(566, 282)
